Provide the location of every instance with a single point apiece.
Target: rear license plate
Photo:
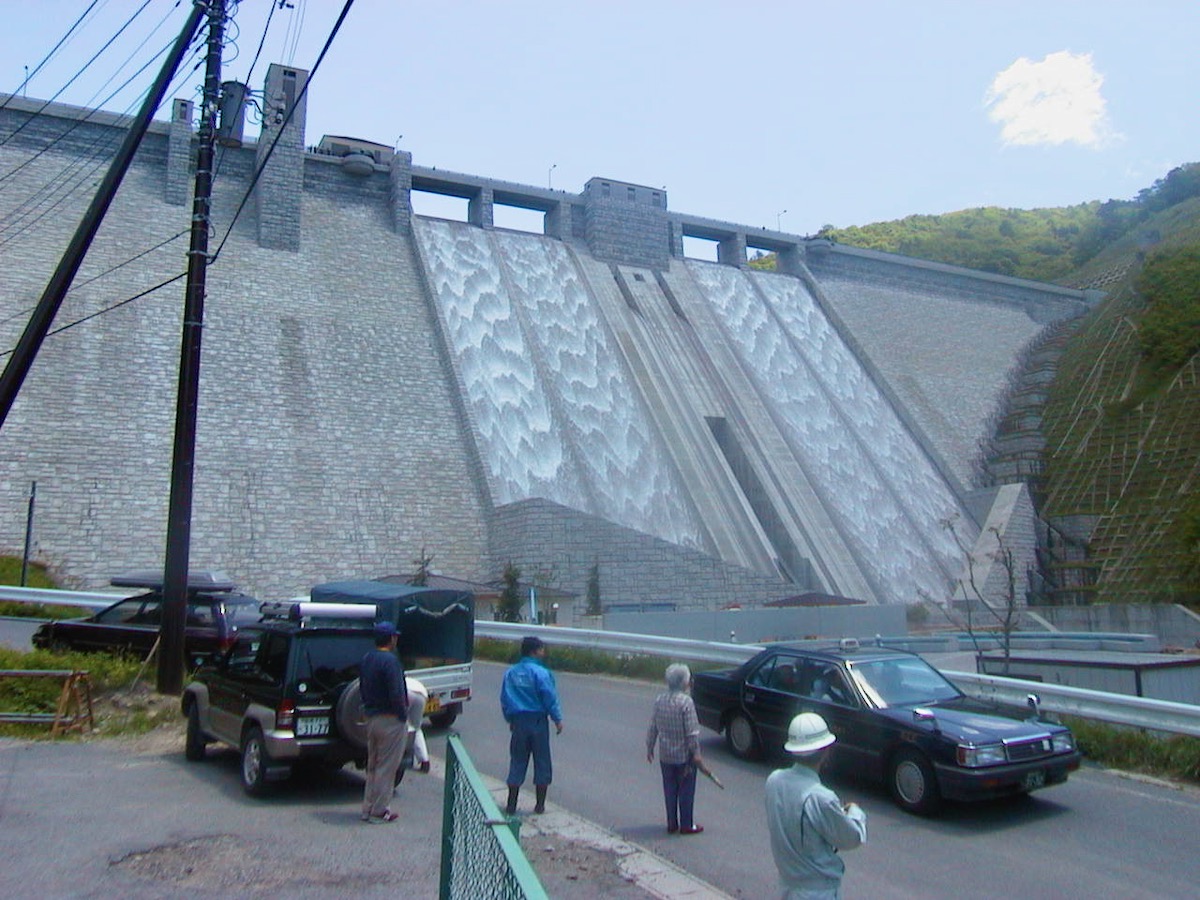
(312, 727)
(1034, 780)
(432, 705)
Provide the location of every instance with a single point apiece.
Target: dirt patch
(569, 868)
(149, 722)
(224, 864)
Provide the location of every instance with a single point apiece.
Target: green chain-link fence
(481, 856)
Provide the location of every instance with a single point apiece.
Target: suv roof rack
(306, 611)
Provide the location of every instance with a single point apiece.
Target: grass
(120, 707)
(40, 611)
(36, 576)
(1174, 756)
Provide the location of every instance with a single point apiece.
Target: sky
(789, 115)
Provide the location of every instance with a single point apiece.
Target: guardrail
(1119, 709)
(55, 597)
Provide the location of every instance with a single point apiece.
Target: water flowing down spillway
(887, 497)
(558, 415)
(553, 407)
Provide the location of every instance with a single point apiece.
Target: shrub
(583, 660)
(1170, 327)
(1171, 756)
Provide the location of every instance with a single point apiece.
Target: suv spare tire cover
(350, 717)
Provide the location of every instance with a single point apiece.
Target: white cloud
(1054, 101)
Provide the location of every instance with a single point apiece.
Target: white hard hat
(808, 733)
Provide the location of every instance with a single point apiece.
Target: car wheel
(197, 740)
(913, 784)
(445, 717)
(741, 737)
(254, 762)
(350, 717)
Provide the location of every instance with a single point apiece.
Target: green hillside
(1078, 245)
(1038, 244)
(1122, 430)
(1118, 480)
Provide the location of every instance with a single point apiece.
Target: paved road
(1099, 835)
(104, 819)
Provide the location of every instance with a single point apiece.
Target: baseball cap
(385, 629)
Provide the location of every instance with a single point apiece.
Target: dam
(379, 385)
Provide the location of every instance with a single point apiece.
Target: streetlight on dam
(550, 177)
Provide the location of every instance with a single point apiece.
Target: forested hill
(1118, 478)
(1041, 244)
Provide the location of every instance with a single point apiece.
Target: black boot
(511, 807)
(540, 797)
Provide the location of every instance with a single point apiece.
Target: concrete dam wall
(376, 385)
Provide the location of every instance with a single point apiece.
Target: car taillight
(285, 714)
(460, 694)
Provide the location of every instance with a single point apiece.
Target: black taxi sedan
(895, 717)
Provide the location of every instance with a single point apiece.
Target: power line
(83, 69)
(50, 55)
(75, 287)
(97, 151)
(258, 170)
(108, 309)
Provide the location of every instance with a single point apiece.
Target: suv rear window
(331, 659)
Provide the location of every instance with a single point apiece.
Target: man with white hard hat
(807, 821)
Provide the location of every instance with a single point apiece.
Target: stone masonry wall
(327, 443)
(634, 567)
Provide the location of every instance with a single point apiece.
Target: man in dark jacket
(385, 701)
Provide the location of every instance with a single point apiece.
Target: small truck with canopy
(437, 635)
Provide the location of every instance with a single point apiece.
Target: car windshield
(909, 681)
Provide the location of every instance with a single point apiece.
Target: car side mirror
(1034, 702)
(921, 714)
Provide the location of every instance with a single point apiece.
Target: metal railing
(55, 597)
(481, 855)
(1119, 709)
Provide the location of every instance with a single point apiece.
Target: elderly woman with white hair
(676, 730)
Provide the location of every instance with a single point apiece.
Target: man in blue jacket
(529, 701)
(385, 701)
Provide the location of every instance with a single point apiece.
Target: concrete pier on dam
(378, 384)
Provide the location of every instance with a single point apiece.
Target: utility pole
(171, 657)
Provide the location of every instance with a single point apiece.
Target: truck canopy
(437, 625)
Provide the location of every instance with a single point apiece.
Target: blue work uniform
(529, 700)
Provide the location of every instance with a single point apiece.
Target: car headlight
(987, 755)
(1064, 742)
